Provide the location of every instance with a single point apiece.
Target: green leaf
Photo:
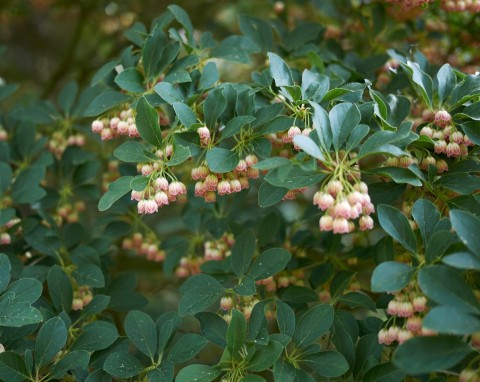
(105, 101)
(246, 286)
(12, 367)
(166, 325)
(422, 79)
(391, 276)
(398, 175)
(5, 177)
(51, 338)
(293, 177)
(141, 330)
(421, 355)
(116, 190)
(77, 359)
(24, 290)
(297, 295)
(343, 118)
(426, 216)
(89, 274)
(446, 82)
(280, 71)
(472, 130)
(383, 142)
(17, 314)
(384, 372)
(265, 356)
(462, 260)
(213, 107)
(242, 252)
(213, 328)
(198, 373)
(133, 152)
(209, 76)
(169, 93)
(222, 160)
(455, 293)
(195, 300)
(185, 114)
(463, 183)
(25, 189)
(182, 17)
(269, 262)
(163, 373)
(446, 320)
(358, 300)
(147, 123)
(236, 334)
(313, 324)
(187, 347)
(269, 195)
(234, 126)
(439, 243)
(258, 30)
(97, 335)
(5, 269)
(396, 224)
(130, 80)
(467, 227)
(321, 121)
(285, 319)
(122, 365)
(309, 146)
(60, 289)
(329, 364)
(98, 304)
(180, 154)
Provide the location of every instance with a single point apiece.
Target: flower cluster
(342, 204)
(3, 134)
(5, 236)
(424, 163)
(82, 296)
(283, 280)
(215, 250)
(472, 6)
(147, 246)
(281, 139)
(243, 303)
(122, 124)
(59, 142)
(160, 192)
(209, 183)
(408, 308)
(409, 4)
(68, 212)
(469, 375)
(447, 139)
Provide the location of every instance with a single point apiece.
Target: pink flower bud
(307, 131)
(211, 182)
(147, 169)
(467, 141)
(137, 195)
(177, 188)
(132, 131)
(161, 183)
(235, 185)
(326, 223)
(5, 238)
(342, 209)
(293, 131)
(97, 126)
(114, 123)
(168, 151)
(182, 272)
(323, 200)
(241, 166)
(106, 134)
(223, 187)
(200, 189)
(365, 223)
(453, 149)
(161, 198)
(456, 137)
(210, 197)
(442, 166)
(151, 206)
(442, 118)
(334, 187)
(427, 131)
(251, 160)
(77, 304)
(383, 337)
(122, 128)
(404, 335)
(419, 303)
(414, 323)
(340, 225)
(405, 309)
(361, 187)
(244, 182)
(253, 173)
(226, 303)
(393, 333)
(3, 135)
(440, 147)
(204, 133)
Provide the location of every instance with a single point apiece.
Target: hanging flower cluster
(82, 296)
(407, 310)
(58, 142)
(343, 203)
(209, 183)
(144, 245)
(122, 124)
(472, 6)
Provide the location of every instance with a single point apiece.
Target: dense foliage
(300, 201)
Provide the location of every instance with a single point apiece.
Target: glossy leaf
(396, 224)
(313, 324)
(268, 263)
(391, 276)
(242, 252)
(141, 330)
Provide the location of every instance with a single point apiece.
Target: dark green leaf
(396, 224)
(97, 335)
(313, 324)
(5, 269)
(147, 122)
(105, 101)
(77, 359)
(462, 260)
(236, 333)
(187, 347)
(384, 372)
(89, 274)
(446, 82)
(285, 319)
(122, 365)
(198, 373)
(209, 76)
(51, 338)
(222, 160)
(197, 299)
(169, 93)
(447, 320)
(421, 355)
(26, 188)
(130, 80)
(163, 373)
(391, 276)
(329, 364)
(269, 195)
(186, 116)
(265, 356)
(467, 227)
(116, 190)
(133, 152)
(60, 289)
(166, 325)
(141, 330)
(213, 108)
(399, 175)
(455, 293)
(426, 216)
(213, 328)
(12, 367)
(358, 300)
(309, 146)
(270, 262)
(242, 252)
(280, 71)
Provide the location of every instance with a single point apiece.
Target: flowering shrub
(316, 221)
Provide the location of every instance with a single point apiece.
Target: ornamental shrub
(297, 201)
